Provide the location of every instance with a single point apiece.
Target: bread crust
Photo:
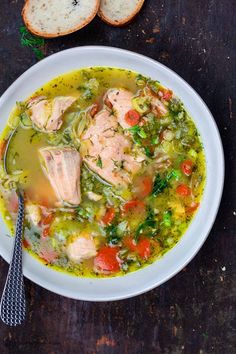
(126, 20)
(54, 35)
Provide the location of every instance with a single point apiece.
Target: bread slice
(119, 12)
(53, 18)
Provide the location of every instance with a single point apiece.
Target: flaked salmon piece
(83, 247)
(47, 114)
(107, 152)
(157, 106)
(62, 168)
(121, 101)
(103, 124)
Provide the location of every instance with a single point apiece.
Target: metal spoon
(13, 304)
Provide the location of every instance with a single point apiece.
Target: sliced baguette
(119, 12)
(53, 18)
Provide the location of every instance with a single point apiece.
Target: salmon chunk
(47, 114)
(62, 168)
(107, 152)
(83, 247)
(121, 102)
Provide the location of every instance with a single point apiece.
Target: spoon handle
(13, 305)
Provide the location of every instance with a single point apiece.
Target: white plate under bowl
(148, 278)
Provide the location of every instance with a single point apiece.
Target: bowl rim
(172, 272)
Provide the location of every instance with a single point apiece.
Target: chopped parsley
(99, 162)
(161, 183)
(112, 234)
(31, 41)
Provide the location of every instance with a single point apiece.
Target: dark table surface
(194, 312)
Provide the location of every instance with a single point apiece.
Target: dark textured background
(195, 311)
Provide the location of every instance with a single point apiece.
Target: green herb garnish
(148, 152)
(148, 226)
(112, 234)
(99, 162)
(138, 132)
(167, 218)
(35, 43)
(161, 183)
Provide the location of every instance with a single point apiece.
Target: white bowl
(157, 273)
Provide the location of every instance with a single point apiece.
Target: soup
(112, 168)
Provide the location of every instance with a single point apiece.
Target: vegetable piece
(25, 120)
(132, 117)
(138, 130)
(193, 207)
(167, 135)
(109, 216)
(183, 190)
(141, 104)
(112, 233)
(94, 196)
(148, 226)
(46, 232)
(148, 151)
(48, 219)
(193, 154)
(3, 145)
(167, 218)
(187, 167)
(134, 205)
(99, 162)
(25, 243)
(167, 95)
(159, 185)
(143, 186)
(106, 260)
(142, 247)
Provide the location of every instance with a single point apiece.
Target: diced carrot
(192, 208)
(130, 244)
(109, 216)
(46, 232)
(3, 145)
(187, 167)
(143, 186)
(142, 248)
(48, 219)
(25, 243)
(134, 205)
(132, 117)
(167, 95)
(183, 190)
(106, 260)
